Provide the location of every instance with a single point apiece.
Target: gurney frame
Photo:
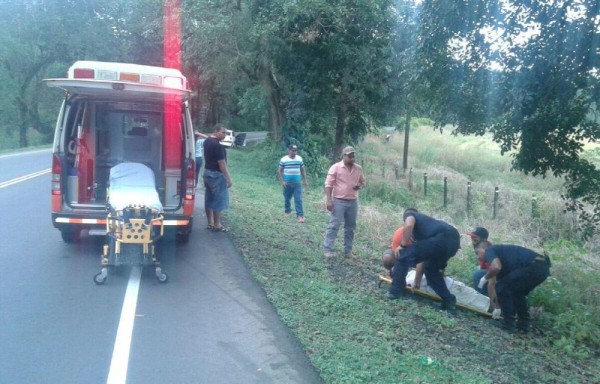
(132, 234)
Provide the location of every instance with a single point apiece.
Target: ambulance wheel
(70, 235)
(182, 238)
(99, 278)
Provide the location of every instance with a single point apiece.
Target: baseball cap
(348, 150)
(293, 147)
(479, 232)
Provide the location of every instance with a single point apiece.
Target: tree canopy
(325, 72)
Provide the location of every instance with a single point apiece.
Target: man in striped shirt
(292, 177)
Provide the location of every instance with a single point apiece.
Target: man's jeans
(343, 211)
(293, 189)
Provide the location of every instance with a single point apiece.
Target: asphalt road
(211, 323)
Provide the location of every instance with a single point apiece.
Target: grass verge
(351, 333)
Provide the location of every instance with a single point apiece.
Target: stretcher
(422, 293)
(134, 223)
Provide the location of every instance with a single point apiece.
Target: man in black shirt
(435, 242)
(216, 179)
(518, 271)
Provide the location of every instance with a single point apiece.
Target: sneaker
(329, 254)
(300, 219)
(287, 214)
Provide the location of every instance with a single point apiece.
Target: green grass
(352, 334)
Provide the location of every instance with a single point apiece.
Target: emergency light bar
(129, 73)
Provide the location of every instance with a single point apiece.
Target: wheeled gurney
(134, 222)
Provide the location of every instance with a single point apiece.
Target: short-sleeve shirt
(342, 180)
(213, 152)
(512, 257)
(291, 168)
(426, 226)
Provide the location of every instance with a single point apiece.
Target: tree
(528, 72)
(335, 56)
(37, 35)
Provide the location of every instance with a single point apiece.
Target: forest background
(325, 73)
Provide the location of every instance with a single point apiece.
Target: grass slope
(351, 333)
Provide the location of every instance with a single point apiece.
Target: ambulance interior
(102, 134)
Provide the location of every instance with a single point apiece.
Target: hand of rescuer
(482, 282)
(496, 314)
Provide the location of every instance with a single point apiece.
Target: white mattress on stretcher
(464, 295)
(132, 184)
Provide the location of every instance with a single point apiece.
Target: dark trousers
(513, 288)
(434, 252)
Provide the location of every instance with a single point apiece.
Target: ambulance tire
(70, 235)
(182, 238)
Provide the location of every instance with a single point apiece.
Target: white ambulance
(114, 113)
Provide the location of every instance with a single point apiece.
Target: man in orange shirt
(343, 181)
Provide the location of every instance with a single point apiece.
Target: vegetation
(349, 329)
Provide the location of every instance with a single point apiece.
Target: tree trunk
(272, 89)
(340, 127)
(406, 136)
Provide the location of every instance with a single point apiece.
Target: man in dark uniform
(435, 242)
(518, 271)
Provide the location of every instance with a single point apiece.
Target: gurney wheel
(161, 276)
(100, 277)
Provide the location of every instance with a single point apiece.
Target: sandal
(210, 227)
(220, 229)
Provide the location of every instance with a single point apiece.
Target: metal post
(445, 192)
(496, 195)
(396, 172)
(534, 207)
(410, 179)
(468, 198)
(425, 184)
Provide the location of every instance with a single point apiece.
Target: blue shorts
(216, 194)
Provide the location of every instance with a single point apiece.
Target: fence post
(445, 192)
(534, 207)
(410, 179)
(468, 198)
(425, 184)
(496, 195)
(382, 168)
(396, 172)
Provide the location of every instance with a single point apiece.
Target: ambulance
(114, 113)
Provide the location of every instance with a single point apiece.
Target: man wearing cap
(343, 181)
(518, 271)
(478, 235)
(292, 177)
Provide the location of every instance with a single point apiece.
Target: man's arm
(328, 196)
(495, 268)
(280, 175)
(409, 225)
(225, 172)
(418, 276)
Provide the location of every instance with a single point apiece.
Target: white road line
(23, 178)
(120, 356)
